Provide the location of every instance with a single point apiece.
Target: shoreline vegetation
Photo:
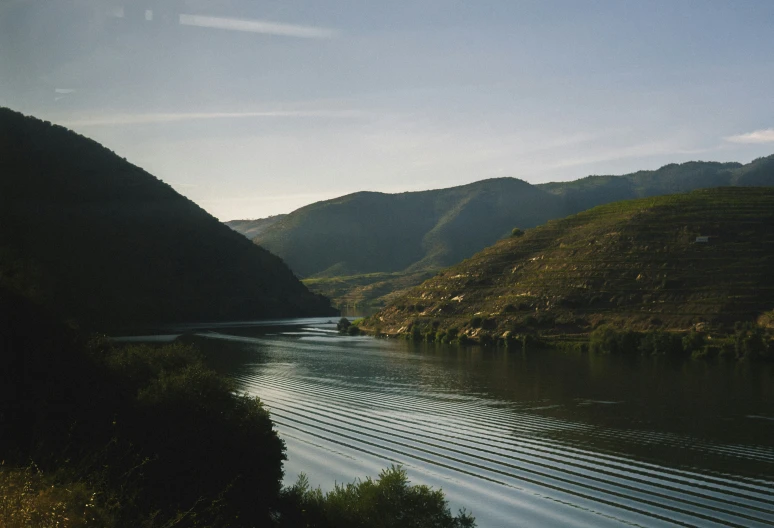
(747, 341)
(95, 433)
(753, 341)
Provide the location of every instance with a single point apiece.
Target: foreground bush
(387, 502)
(29, 498)
(160, 438)
(146, 436)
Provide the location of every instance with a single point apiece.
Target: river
(536, 438)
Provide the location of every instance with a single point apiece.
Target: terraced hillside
(634, 263)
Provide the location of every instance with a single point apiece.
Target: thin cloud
(642, 150)
(161, 118)
(258, 26)
(759, 136)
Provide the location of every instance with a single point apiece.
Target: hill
(634, 264)
(253, 228)
(368, 247)
(591, 191)
(99, 240)
(368, 232)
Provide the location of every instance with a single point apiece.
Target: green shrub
(661, 343)
(750, 341)
(767, 319)
(183, 411)
(28, 498)
(693, 342)
(607, 340)
(387, 502)
(706, 352)
(604, 340)
(534, 341)
(126, 422)
(463, 339)
(485, 339)
(343, 325)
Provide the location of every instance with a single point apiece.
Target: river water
(536, 438)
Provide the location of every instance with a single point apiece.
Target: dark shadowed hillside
(634, 264)
(98, 239)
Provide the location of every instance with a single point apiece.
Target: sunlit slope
(100, 240)
(253, 228)
(634, 263)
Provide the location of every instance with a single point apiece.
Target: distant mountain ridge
(591, 191)
(351, 247)
(667, 262)
(98, 239)
(369, 232)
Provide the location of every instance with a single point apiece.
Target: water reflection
(529, 438)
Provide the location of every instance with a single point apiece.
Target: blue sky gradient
(252, 108)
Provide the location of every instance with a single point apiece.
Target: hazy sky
(252, 107)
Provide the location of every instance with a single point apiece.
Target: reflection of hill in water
(687, 414)
(538, 437)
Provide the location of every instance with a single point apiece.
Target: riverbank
(748, 341)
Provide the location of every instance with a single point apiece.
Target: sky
(253, 108)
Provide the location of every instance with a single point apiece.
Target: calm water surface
(521, 439)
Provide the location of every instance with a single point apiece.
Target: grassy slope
(253, 228)
(632, 263)
(367, 248)
(100, 240)
(367, 291)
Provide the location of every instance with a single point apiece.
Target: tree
(387, 502)
(343, 325)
